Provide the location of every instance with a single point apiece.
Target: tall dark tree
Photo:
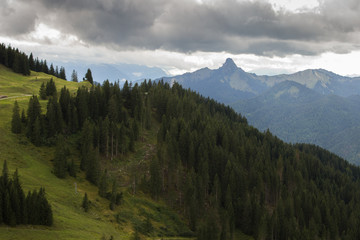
(16, 121)
(42, 91)
(62, 74)
(85, 203)
(88, 76)
(60, 158)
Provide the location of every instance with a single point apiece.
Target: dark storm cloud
(218, 25)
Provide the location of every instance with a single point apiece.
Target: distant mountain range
(312, 106)
(112, 72)
(230, 83)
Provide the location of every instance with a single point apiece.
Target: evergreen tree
(74, 77)
(51, 88)
(45, 68)
(85, 203)
(72, 169)
(88, 76)
(42, 92)
(31, 62)
(33, 114)
(16, 121)
(60, 159)
(52, 70)
(93, 169)
(62, 74)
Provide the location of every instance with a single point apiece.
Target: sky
(261, 36)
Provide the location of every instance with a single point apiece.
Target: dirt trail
(6, 97)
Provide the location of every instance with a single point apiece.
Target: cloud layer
(231, 26)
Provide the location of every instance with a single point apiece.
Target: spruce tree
(85, 203)
(74, 77)
(93, 167)
(52, 70)
(60, 159)
(16, 121)
(42, 91)
(31, 62)
(62, 74)
(88, 76)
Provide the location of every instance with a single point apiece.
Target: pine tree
(60, 159)
(86, 144)
(88, 76)
(33, 112)
(62, 74)
(5, 175)
(72, 169)
(85, 203)
(51, 88)
(16, 121)
(31, 62)
(74, 77)
(52, 70)
(93, 168)
(42, 91)
(44, 67)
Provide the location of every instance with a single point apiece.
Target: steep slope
(298, 114)
(65, 195)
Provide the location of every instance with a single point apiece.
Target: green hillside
(35, 169)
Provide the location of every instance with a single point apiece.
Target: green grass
(34, 166)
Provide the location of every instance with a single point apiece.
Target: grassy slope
(34, 164)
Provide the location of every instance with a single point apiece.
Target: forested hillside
(200, 157)
(210, 165)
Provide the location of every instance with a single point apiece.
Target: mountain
(112, 72)
(320, 80)
(230, 83)
(313, 106)
(226, 84)
(296, 113)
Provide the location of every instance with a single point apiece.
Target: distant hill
(298, 114)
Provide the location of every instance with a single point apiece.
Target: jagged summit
(229, 64)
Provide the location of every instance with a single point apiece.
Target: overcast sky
(262, 36)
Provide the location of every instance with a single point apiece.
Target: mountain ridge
(236, 84)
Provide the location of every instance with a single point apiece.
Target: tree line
(16, 208)
(19, 62)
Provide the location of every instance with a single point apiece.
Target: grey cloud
(220, 25)
(16, 19)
